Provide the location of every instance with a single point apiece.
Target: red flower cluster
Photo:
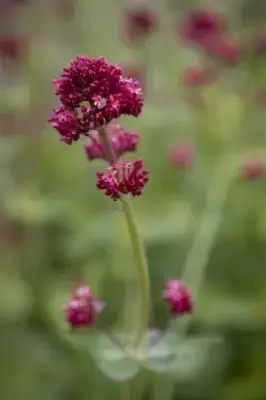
(252, 168)
(121, 141)
(12, 47)
(123, 178)
(177, 297)
(83, 308)
(93, 92)
(140, 22)
(201, 24)
(206, 28)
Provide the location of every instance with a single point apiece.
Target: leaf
(186, 358)
(112, 360)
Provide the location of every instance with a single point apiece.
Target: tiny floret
(178, 297)
(93, 92)
(83, 308)
(123, 178)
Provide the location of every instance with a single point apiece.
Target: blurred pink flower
(139, 23)
(83, 308)
(182, 155)
(252, 168)
(178, 297)
(201, 24)
(12, 47)
(224, 48)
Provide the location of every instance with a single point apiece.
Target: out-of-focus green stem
(209, 222)
(137, 247)
(141, 266)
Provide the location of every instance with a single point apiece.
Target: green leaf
(186, 358)
(112, 360)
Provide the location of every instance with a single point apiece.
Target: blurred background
(203, 70)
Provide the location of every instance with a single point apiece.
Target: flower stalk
(137, 247)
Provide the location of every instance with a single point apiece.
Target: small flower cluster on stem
(93, 93)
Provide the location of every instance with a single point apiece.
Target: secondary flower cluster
(123, 178)
(93, 92)
(139, 23)
(207, 28)
(83, 307)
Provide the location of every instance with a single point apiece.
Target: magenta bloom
(12, 47)
(202, 23)
(178, 297)
(93, 92)
(123, 178)
(140, 22)
(182, 155)
(83, 308)
(122, 142)
(252, 168)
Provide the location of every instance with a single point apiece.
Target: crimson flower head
(202, 23)
(178, 297)
(93, 92)
(83, 308)
(182, 155)
(252, 168)
(140, 22)
(197, 75)
(123, 178)
(12, 47)
(121, 141)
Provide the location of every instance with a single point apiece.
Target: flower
(83, 308)
(140, 22)
(121, 142)
(201, 24)
(93, 92)
(178, 297)
(252, 168)
(123, 178)
(12, 47)
(197, 75)
(225, 49)
(182, 155)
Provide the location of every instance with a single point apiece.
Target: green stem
(209, 223)
(137, 247)
(142, 268)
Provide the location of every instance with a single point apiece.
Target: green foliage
(70, 229)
